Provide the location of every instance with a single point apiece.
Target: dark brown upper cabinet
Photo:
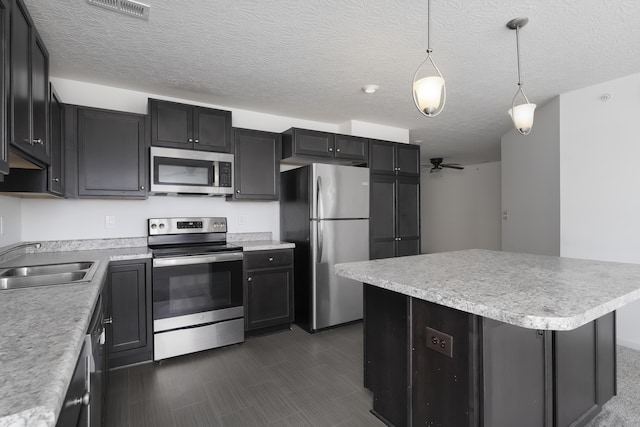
(190, 127)
(56, 176)
(111, 154)
(393, 158)
(29, 95)
(5, 25)
(303, 145)
(257, 164)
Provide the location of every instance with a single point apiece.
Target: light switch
(505, 215)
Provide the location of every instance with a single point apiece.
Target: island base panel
(386, 360)
(499, 375)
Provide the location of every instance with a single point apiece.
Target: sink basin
(45, 275)
(37, 270)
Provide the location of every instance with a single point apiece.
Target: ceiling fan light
(428, 94)
(522, 116)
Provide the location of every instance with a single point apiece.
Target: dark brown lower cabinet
(496, 375)
(129, 317)
(268, 290)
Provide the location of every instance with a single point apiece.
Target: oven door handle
(196, 259)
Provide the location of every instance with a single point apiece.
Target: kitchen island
(485, 338)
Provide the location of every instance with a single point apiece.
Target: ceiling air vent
(127, 7)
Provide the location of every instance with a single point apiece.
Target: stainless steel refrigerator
(324, 210)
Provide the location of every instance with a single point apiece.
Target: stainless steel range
(197, 286)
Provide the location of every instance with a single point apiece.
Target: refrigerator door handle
(319, 213)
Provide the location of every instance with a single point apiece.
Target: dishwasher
(84, 403)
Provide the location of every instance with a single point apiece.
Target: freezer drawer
(336, 300)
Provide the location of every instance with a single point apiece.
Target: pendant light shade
(429, 90)
(522, 114)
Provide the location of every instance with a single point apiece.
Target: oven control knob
(161, 226)
(154, 226)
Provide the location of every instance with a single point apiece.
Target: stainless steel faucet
(21, 246)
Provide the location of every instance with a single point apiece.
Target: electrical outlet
(440, 342)
(1, 225)
(109, 221)
(505, 215)
(241, 219)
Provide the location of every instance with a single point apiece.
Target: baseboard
(628, 343)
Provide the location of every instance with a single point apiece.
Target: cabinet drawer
(266, 259)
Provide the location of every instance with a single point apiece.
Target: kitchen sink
(45, 275)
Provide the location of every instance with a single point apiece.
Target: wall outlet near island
(109, 221)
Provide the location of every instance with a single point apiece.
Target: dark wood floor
(286, 379)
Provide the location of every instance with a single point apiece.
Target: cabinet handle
(249, 279)
(196, 141)
(270, 259)
(56, 180)
(38, 141)
(107, 321)
(84, 400)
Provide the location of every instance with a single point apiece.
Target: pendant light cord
(429, 26)
(518, 53)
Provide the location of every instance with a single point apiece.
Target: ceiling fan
(436, 165)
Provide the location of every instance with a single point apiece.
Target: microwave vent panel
(127, 7)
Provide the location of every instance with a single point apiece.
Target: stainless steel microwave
(175, 171)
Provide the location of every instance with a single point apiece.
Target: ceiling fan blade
(451, 164)
(452, 167)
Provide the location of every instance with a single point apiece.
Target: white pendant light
(521, 115)
(429, 91)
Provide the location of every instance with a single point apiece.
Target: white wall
(600, 181)
(461, 209)
(11, 217)
(530, 185)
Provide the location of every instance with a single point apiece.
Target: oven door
(197, 289)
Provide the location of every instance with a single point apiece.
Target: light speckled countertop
(41, 334)
(263, 245)
(531, 291)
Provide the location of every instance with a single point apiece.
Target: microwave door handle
(196, 259)
(216, 173)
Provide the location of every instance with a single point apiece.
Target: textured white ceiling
(309, 59)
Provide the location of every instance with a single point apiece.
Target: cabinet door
(407, 246)
(269, 297)
(171, 124)
(212, 130)
(313, 143)
(382, 228)
(55, 176)
(351, 147)
(40, 98)
(408, 159)
(408, 208)
(20, 123)
(257, 164)
(5, 25)
(111, 154)
(127, 293)
(382, 157)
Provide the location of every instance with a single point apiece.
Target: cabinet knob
(38, 141)
(56, 180)
(107, 321)
(337, 150)
(238, 191)
(249, 279)
(142, 187)
(190, 139)
(270, 259)
(330, 149)
(84, 400)
(196, 141)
